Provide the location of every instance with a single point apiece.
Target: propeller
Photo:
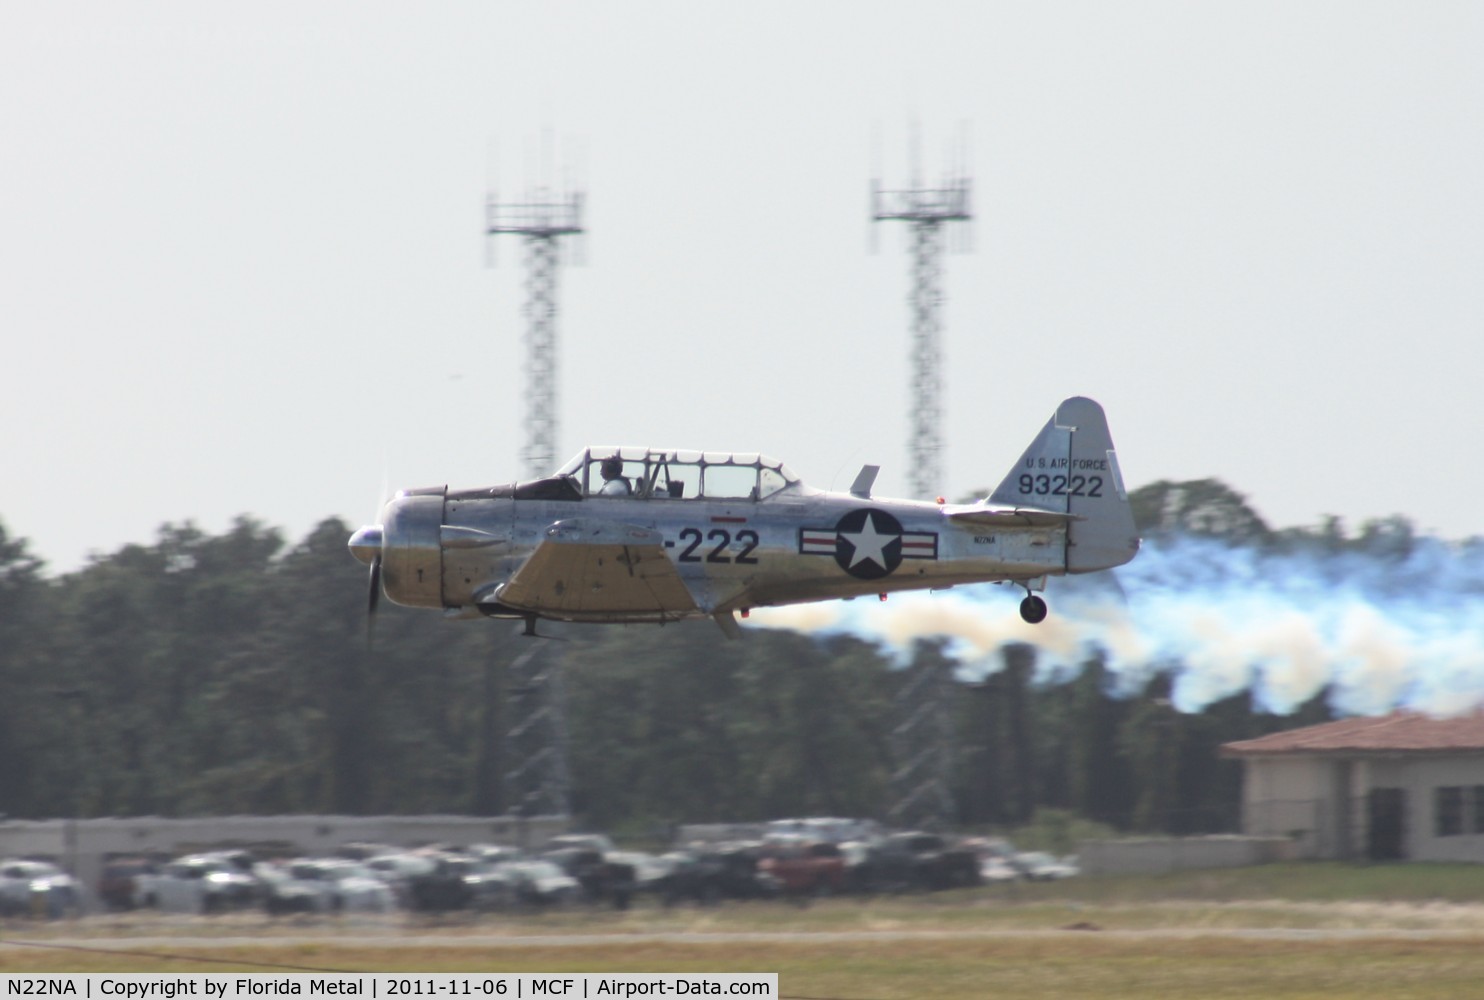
(372, 600)
(365, 545)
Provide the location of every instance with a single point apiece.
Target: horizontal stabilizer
(1023, 517)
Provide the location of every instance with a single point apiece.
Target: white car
(36, 888)
(539, 883)
(599, 842)
(649, 870)
(814, 829)
(398, 870)
(325, 885)
(199, 883)
(1039, 866)
(996, 870)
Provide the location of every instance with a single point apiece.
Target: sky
(243, 267)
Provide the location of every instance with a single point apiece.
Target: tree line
(221, 674)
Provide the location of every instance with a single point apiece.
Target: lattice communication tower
(922, 738)
(927, 212)
(536, 781)
(541, 220)
(922, 743)
(535, 746)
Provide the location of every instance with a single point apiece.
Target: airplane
(671, 535)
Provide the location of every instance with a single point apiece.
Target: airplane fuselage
(623, 534)
(788, 548)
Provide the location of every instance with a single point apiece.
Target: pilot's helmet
(612, 467)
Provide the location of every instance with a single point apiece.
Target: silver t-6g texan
(627, 534)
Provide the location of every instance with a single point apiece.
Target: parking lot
(797, 860)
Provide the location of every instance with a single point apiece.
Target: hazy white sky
(242, 267)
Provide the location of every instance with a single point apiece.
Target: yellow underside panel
(586, 568)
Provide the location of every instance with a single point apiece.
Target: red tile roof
(1399, 732)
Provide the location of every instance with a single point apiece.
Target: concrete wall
(1160, 855)
(82, 846)
(716, 833)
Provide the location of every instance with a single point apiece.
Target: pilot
(614, 484)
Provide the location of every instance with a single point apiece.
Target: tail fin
(1071, 468)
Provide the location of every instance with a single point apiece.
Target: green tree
(25, 600)
(1200, 507)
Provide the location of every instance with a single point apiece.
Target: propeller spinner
(365, 545)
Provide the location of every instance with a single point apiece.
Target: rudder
(1072, 468)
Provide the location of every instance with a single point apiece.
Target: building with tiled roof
(1391, 787)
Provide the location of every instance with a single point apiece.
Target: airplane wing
(584, 566)
(1011, 517)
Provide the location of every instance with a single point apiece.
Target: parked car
(649, 869)
(489, 887)
(118, 883)
(857, 857)
(201, 883)
(441, 887)
(805, 869)
(324, 885)
(997, 871)
(461, 882)
(599, 842)
(830, 828)
(494, 853)
(993, 854)
(918, 861)
(539, 883)
(37, 889)
(281, 894)
(707, 874)
(399, 869)
(988, 847)
(1038, 866)
(602, 879)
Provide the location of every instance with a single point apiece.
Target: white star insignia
(868, 543)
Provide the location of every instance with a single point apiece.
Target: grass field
(1304, 930)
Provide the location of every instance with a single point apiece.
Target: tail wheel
(1033, 609)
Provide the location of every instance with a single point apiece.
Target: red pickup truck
(805, 869)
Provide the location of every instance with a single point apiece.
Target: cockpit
(666, 474)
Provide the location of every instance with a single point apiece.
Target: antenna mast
(540, 220)
(927, 211)
(535, 778)
(922, 739)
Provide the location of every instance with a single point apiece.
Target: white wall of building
(1323, 802)
(1293, 797)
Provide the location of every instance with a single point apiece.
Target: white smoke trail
(1381, 631)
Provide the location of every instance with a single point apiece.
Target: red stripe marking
(729, 520)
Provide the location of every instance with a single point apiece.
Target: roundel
(869, 544)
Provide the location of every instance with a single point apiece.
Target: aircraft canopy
(676, 474)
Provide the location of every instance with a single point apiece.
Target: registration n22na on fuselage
(627, 534)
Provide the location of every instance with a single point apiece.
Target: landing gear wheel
(1033, 609)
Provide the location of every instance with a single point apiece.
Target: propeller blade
(372, 599)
